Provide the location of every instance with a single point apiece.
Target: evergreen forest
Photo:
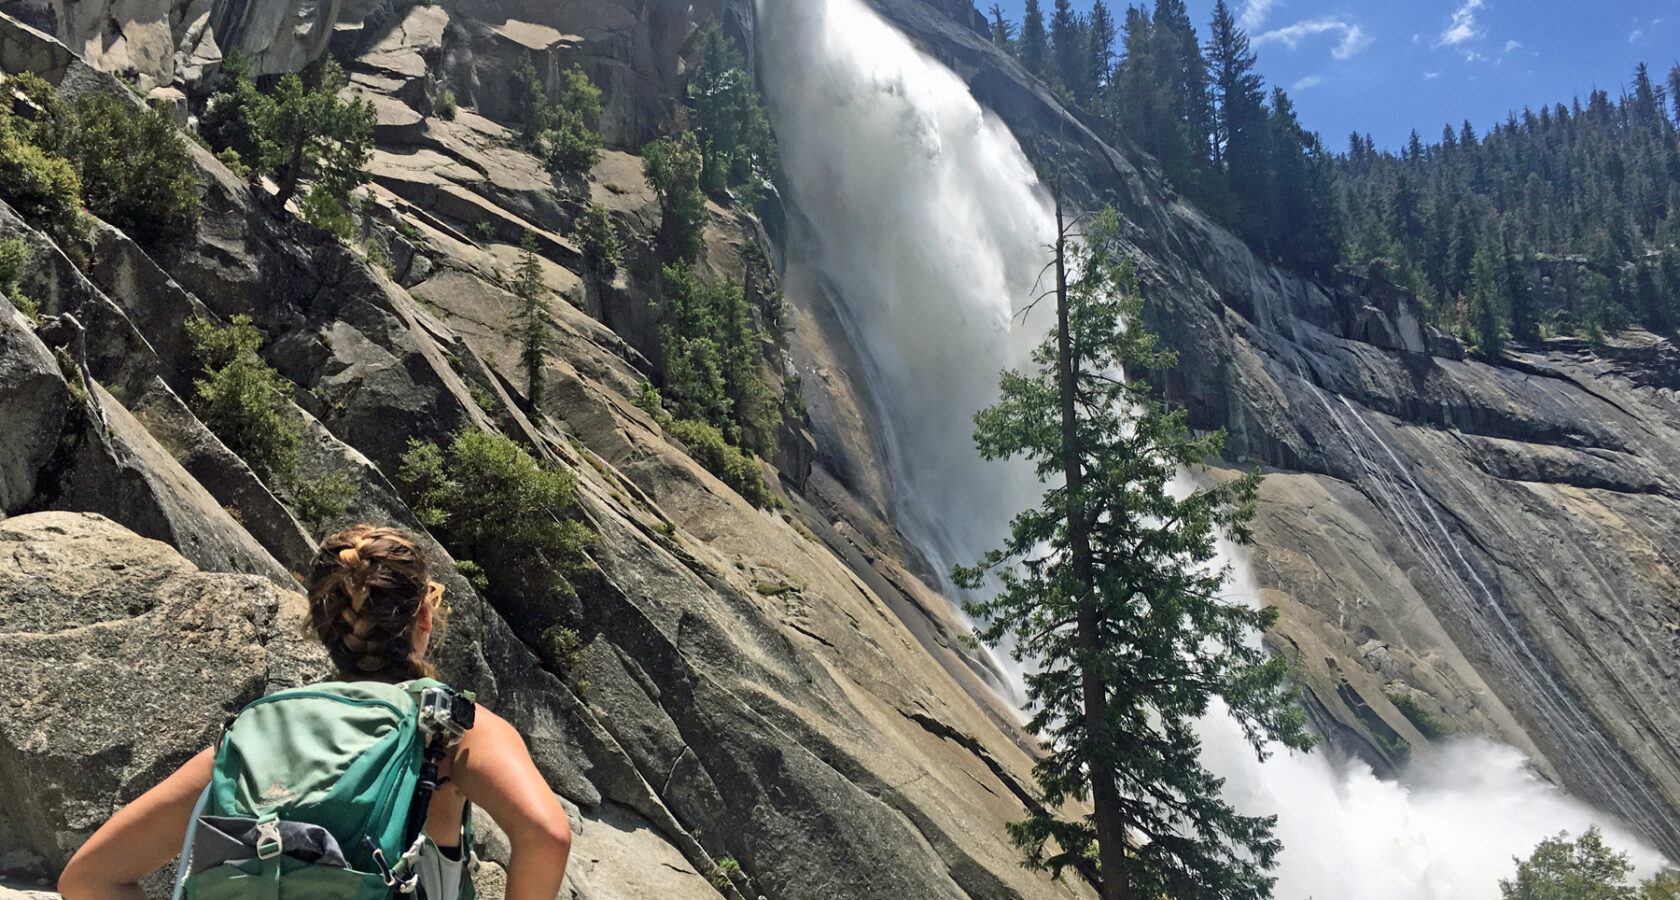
(1560, 220)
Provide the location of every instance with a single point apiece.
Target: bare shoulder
(487, 724)
(490, 738)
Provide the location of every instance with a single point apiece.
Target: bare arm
(139, 839)
(493, 769)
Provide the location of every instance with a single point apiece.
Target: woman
(373, 605)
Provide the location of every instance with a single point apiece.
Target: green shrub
(473, 573)
(229, 119)
(241, 399)
(131, 167)
(137, 172)
(231, 158)
(41, 186)
(445, 106)
(323, 210)
(315, 500)
(650, 402)
(725, 872)
(14, 255)
(736, 469)
(52, 123)
(492, 502)
(1421, 718)
(603, 251)
(560, 648)
(73, 377)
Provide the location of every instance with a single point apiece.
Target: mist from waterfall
(919, 214)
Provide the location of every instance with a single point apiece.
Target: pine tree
(691, 339)
(1133, 94)
(536, 113)
(532, 316)
(1107, 588)
(1488, 294)
(573, 145)
(1304, 231)
(1070, 51)
(311, 133)
(1184, 75)
(1239, 121)
(1003, 30)
(729, 119)
(1034, 45)
(673, 167)
(1099, 47)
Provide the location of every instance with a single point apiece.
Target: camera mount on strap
(444, 716)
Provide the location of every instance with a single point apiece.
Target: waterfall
(920, 215)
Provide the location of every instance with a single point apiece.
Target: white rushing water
(921, 215)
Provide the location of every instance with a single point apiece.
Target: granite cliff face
(1492, 544)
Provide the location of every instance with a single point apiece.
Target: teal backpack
(321, 792)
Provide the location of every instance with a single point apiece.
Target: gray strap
(186, 844)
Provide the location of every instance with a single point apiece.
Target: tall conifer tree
(1110, 588)
(1035, 45)
(1239, 121)
(1099, 46)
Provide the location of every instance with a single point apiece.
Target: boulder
(123, 660)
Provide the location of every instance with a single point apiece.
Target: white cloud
(1429, 76)
(1354, 39)
(1512, 45)
(1254, 14)
(1463, 27)
(1307, 82)
(1636, 35)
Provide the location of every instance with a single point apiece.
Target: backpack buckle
(268, 839)
(403, 883)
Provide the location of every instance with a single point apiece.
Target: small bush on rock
(316, 500)
(725, 872)
(14, 255)
(241, 399)
(603, 251)
(560, 648)
(43, 187)
(136, 170)
(492, 502)
(730, 464)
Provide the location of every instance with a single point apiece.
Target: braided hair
(366, 585)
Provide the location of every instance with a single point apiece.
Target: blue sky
(1388, 66)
